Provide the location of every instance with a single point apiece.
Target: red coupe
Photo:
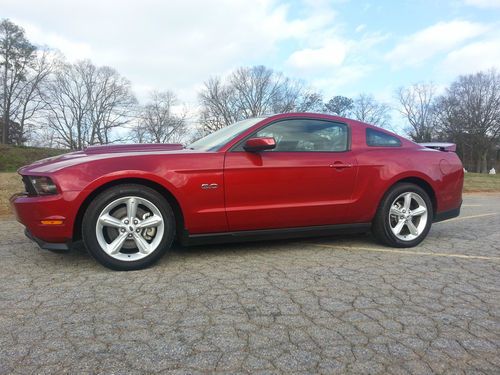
(288, 175)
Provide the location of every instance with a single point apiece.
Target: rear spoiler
(446, 147)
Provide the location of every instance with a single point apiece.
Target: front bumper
(47, 245)
(36, 214)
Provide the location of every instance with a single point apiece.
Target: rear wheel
(404, 216)
(128, 227)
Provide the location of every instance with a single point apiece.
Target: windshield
(216, 140)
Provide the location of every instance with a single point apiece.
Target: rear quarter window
(375, 138)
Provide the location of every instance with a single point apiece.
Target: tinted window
(219, 138)
(381, 139)
(306, 136)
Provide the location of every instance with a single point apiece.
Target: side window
(381, 139)
(306, 136)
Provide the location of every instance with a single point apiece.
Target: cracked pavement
(323, 305)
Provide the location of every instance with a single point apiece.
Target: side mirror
(259, 144)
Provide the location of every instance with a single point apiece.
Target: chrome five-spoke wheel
(404, 216)
(408, 216)
(128, 227)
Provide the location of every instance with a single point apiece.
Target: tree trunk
(484, 162)
(6, 108)
(477, 169)
(5, 131)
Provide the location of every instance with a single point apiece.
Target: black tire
(381, 228)
(101, 201)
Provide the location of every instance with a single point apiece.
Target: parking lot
(322, 305)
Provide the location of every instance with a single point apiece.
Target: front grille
(28, 186)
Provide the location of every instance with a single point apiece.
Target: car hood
(92, 153)
(136, 147)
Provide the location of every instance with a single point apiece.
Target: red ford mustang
(287, 175)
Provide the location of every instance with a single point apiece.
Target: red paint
(260, 144)
(257, 190)
(287, 189)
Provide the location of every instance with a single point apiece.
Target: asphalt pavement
(322, 305)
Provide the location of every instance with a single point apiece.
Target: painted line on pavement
(404, 252)
(470, 217)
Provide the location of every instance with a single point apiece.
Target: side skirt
(272, 234)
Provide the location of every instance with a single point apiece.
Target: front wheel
(128, 227)
(404, 216)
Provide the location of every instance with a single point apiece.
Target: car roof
(349, 121)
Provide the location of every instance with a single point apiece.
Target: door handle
(339, 165)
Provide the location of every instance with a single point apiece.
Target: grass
(480, 182)
(13, 157)
(10, 183)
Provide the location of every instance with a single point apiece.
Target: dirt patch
(10, 183)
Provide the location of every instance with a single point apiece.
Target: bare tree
(110, 102)
(469, 114)
(367, 109)
(417, 107)
(257, 90)
(84, 103)
(309, 101)
(68, 106)
(219, 108)
(252, 92)
(44, 137)
(30, 102)
(138, 134)
(339, 105)
(16, 58)
(159, 122)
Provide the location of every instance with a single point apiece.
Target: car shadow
(79, 253)
(278, 244)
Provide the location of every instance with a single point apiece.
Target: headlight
(43, 185)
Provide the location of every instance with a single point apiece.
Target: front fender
(129, 175)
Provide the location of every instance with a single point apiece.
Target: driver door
(307, 180)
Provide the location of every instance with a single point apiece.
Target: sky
(338, 47)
